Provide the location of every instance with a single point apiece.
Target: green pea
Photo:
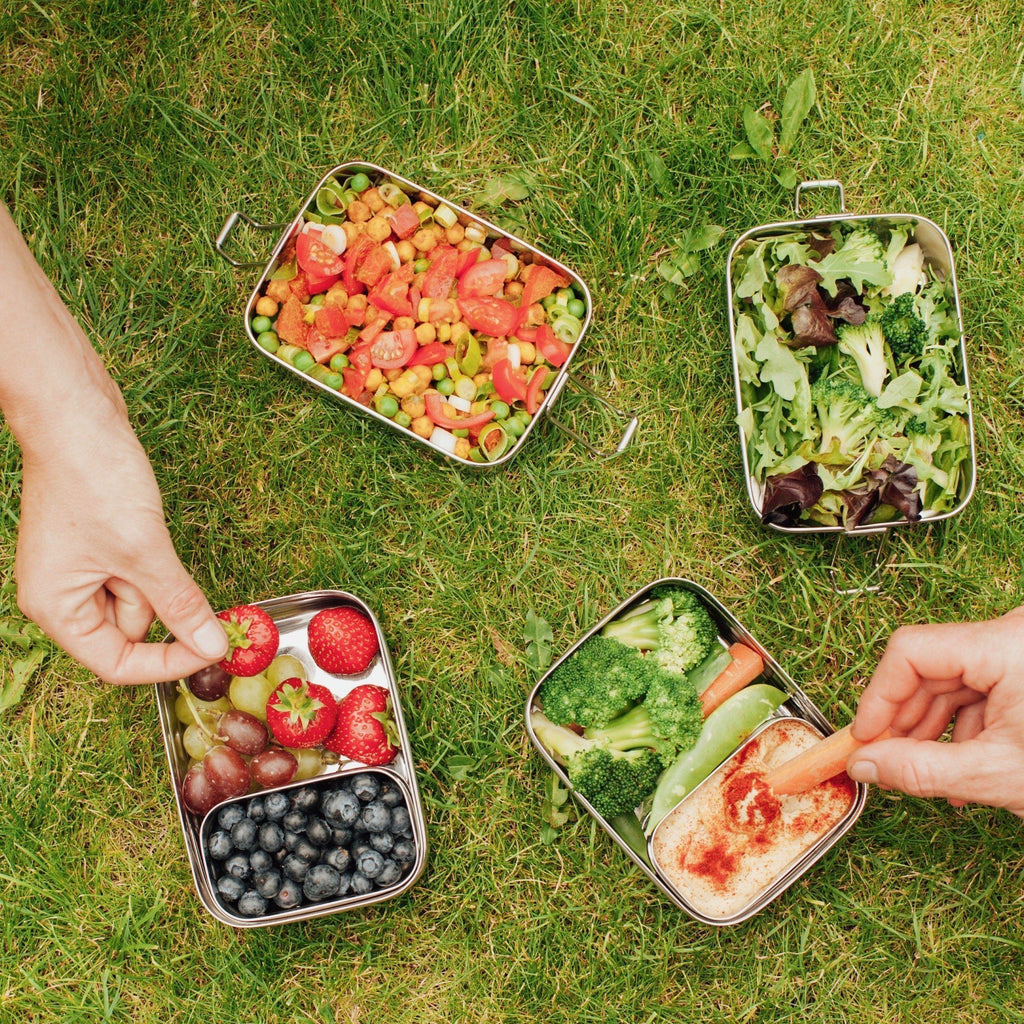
(387, 405)
(339, 362)
(475, 455)
(564, 295)
(333, 380)
(261, 324)
(577, 307)
(446, 386)
(402, 418)
(303, 361)
(548, 301)
(513, 426)
(460, 432)
(439, 371)
(420, 265)
(268, 340)
(500, 410)
(359, 183)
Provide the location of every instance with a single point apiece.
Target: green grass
(131, 131)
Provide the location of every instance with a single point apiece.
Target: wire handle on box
(871, 583)
(807, 186)
(225, 233)
(631, 420)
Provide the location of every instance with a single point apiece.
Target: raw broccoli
(904, 330)
(614, 782)
(865, 344)
(674, 625)
(847, 414)
(668, 721)
(597, 682)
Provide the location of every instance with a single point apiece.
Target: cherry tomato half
(315, 258)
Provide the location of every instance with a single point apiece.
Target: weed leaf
(759, 133)
(12, 686)
(538, 636)
(800, 97)
(511, 187)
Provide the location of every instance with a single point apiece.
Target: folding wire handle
(867, 587)
(225, 233)
(807, 186)
(631, 420)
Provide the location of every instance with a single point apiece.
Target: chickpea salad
(396, 302)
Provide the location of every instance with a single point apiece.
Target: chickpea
(423, 425)
(352, 231)
(460, 331)
(444, 331)
(358, 212)
(373, 199)
(481, 379)
(337, 295)
(406, 250)
(266, 306)
(379, 229)
(405, 384)
(424, 375)
(465, 245)
(357, 302)
(462, 448)
(425, 333)
(527, 352)
(535, 315)
(404, 323)
(424, 240)
(414, 406)
(514, 290)
(455, 234)
(393, 374)
(374, 379)
(278, 291)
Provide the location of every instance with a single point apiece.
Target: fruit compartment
(291, 615)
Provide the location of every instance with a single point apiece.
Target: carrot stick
(826, 759)
(745, 667)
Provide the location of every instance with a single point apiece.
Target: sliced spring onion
(335, 239)
(469, 357)
(465, 388)
(441, 438)
(460, 403)
(475, 233)
(493, 441)
(330, 199)
(392, 250)
(392, 194)
(285, 272)
(446, 216)
(515, 356)
(426, 215)
(311, 227)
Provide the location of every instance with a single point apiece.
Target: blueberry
(318, 832)
(271, 836)
(230, 887)
(382, 842)
(306, 851)
(340, 808)
(359, 846)
(404, 852)
(260, 860)
(321, 883)
(291, 840)
(252, 904)
(230, 815)
(276, 805)
(237, 865)
(369, 863)
(400, 822)
(295, 867)
(338, 858)
(389, 874)
(289, 895)
(341, 836)
(376, 817)
(361, 885)
(268, 883)
(391, 795)
(243, 834)
(294, 821)
(304, 799)
(365, 786)
(219, 845)
(344, 883)
(256, 810)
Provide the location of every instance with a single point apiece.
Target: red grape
(198, 791)
(274, 767)
(243, 732)
(227, 771)
(209, 683)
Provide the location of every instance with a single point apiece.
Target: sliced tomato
(445, 262)
(321, 346)
(360, 357)
(355, 315)
(316, 258)
(534, 395)
(428, 355)
(393, 349)
(354, 256)
(437, 411)
(541, 281)
(318, 285)
(508, 382)
(291, 322)
(482, 279)
(355, 381)
(553, 349)
(299, 288)
(375, 265)
(369, 333)
(332, 321)
(469, 259)
(405, 221)
(392, 293)
(491, 316)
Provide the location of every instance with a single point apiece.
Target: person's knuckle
(185, 602)
(917, 778)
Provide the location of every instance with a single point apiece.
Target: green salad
(854, 401)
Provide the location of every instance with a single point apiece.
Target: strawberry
(365, 730)
(301, 714)
(342, 640)
(253, 640)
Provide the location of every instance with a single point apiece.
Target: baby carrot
(826, 759)
(745, 667)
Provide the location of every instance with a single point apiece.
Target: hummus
(723, 846)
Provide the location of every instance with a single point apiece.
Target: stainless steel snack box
(938, 254)
(291, 614)
(798, 705)
(379, 175)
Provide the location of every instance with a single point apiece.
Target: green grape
(195, 741)
(311, 762)
(285, 666)
(250, 693)
(211, 710)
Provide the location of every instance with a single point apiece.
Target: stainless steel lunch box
(938, 254)
(798, 705)
(379, 175)
(291, 615)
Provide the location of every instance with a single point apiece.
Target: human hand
(95, 562)
(969, 674)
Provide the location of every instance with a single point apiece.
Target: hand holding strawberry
(365, 730)
(301, 714)
(253, 640)
(342, 640)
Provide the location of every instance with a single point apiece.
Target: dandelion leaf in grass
(759, 133)
(800, 98)
(512, 187)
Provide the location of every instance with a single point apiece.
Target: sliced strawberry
(253, 640)
(301, 714)
(365, 730)
(342, 640)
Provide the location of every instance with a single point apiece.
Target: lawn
(130, 133)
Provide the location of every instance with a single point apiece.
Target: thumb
(182, 607)
(969, 771)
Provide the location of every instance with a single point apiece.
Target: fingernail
(864, 771)
(210, 640)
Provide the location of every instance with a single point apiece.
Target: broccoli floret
(674, 625)
(846, 414)
(904, 330)
(668, 721)
(599, 681)
(865, 344)
(614, 782)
